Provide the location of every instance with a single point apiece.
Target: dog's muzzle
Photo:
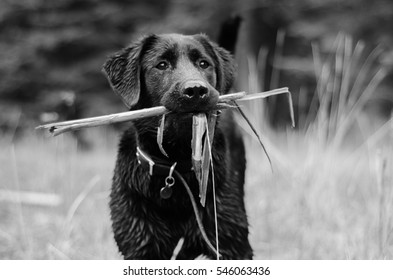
(191, 96)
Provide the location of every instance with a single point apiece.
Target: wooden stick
(61, 127)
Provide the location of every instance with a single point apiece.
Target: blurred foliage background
(48, 48)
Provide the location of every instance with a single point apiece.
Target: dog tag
(166, 192)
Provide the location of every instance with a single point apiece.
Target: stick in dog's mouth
(62, 127)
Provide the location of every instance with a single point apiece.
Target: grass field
(321, 202)
(330, 194)
(78, 226)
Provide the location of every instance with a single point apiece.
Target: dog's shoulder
(128, 140)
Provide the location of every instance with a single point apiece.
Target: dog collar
(160, 167)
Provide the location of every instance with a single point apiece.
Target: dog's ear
(123, 70)
(224, 63)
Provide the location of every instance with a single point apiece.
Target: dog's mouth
(193, 96)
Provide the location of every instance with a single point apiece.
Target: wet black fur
(146, 226)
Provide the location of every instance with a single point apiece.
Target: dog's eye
(163, 65)
(204, 64)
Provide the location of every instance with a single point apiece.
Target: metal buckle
(139, 154)
(169, 180)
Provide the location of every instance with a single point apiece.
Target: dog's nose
(195, 89)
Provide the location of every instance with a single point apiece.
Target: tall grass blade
(79, 199)
(255, 133)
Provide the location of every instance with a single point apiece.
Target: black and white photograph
(196, 130)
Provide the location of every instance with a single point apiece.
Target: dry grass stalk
(269, 93)
(198, 130)
(31, 198)
(206, 156)
(61, 127)
(202, 125)
(160, 135)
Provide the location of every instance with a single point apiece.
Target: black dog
(186, 74)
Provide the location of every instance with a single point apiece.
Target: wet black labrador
(186, 74)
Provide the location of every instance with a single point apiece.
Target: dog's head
(183, 73)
